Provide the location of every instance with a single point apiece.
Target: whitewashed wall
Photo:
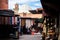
(29, 23)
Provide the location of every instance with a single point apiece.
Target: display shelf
(49, 22)
(8, 20)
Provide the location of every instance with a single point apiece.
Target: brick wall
(3, 4)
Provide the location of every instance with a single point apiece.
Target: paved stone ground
(30, 37)
(27, 37)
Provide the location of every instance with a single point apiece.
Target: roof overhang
(22, 15)
(51, 7)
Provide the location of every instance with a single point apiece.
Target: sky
(31, 3)
(25, 4)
